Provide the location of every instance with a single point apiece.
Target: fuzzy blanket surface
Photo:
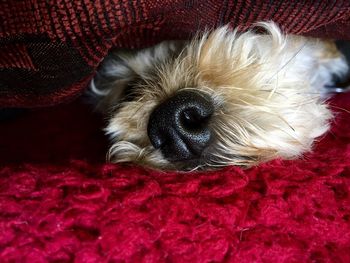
(59, 202)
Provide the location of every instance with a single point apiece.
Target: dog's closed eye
(130, 91)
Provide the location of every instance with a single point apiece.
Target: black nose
(179, 126)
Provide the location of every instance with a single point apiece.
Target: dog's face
(222, 99)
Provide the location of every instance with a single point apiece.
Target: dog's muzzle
(179, 127)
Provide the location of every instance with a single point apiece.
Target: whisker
(296, 53)
(339, 108)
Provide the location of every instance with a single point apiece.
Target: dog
(223, 98)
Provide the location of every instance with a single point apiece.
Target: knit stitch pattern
(59, 202)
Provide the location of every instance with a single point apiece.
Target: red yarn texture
(49, 49)
(59, 202)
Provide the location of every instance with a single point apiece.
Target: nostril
(179, 126)
(192, 119)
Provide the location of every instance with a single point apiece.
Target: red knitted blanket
(59, 201)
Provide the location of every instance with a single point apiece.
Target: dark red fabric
(59, 202)
(49, 49)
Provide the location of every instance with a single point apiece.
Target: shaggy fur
(267, 90)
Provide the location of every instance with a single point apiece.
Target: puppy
(224, 98)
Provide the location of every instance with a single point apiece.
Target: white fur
(267, 91)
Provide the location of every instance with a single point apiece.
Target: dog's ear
(344, 81)
(122, 70)
(112, 77)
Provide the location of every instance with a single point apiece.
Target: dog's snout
(179, 127)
